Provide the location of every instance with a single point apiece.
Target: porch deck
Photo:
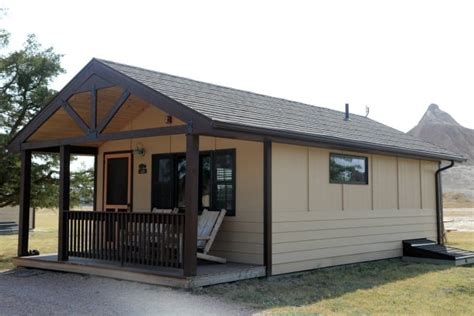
(207, 273)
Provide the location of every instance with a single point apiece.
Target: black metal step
(3, 224)
(7, 228)
(429, 249)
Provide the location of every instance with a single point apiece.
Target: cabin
(303, 187)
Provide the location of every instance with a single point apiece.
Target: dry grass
(382, 287)
(44, 238)
(463, 240)
(457, 200)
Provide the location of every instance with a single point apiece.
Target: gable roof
(242, 109)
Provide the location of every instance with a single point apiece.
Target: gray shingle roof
(222, 104)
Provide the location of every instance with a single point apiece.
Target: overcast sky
(396, 57)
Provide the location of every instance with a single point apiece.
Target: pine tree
(25, 77)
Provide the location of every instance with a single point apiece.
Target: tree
(4, 35)
(25, 76)
(82, 187)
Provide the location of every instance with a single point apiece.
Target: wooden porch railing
(136, 238)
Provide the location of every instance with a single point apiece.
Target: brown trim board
(231, 130)
(25, 194)
(267, 206)
(64, 201)
(139, 133)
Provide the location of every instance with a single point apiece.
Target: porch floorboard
(207, 273)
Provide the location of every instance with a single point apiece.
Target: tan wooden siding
(292, 166)
(311, 235)
(428, 185)
(349, 223)
(240, 238)
(409, 183)
(334, 261)
(326, 197)
(384, 182)
(346, 223)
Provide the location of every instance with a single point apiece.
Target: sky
(397, 57)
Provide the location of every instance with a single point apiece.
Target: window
(224, 180)
(181, 180)
(162, 181)
(216, 181)
(348, 169)
(205, 182)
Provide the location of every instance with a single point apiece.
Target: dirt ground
(36, 292)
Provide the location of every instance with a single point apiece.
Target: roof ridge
(229, 88)
(274, 108)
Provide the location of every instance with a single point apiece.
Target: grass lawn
(382, 287)
(44, 238)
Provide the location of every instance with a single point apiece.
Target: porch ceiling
(62, 125)
(100, 104)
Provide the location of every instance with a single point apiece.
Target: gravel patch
(37, 292)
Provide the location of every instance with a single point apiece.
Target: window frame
(173, 191)
(366, 159)
(213, 181)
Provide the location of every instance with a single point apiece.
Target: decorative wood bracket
(73, 114)
(115, 108)
(93, 108)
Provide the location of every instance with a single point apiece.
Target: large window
(216, 180)
(348, 169)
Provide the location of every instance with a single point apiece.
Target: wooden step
(425, 250)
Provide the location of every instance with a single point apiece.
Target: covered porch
(122, 123)
(206, 273)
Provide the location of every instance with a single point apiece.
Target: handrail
(141, 213)
(128, 238)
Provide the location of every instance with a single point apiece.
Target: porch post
(267, 206)
(25, 190)
(94, 206)
(64, 184)
(191, 200)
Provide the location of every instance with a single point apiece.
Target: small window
(348, 169)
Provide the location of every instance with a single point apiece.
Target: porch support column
(94, 207)
(267, 206)
(191, 200)
(25, 190)
(64, 185)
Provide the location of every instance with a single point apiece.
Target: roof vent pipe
(346, 118)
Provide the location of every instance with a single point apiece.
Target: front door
(118, 182)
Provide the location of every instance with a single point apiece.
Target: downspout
(439, 201)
